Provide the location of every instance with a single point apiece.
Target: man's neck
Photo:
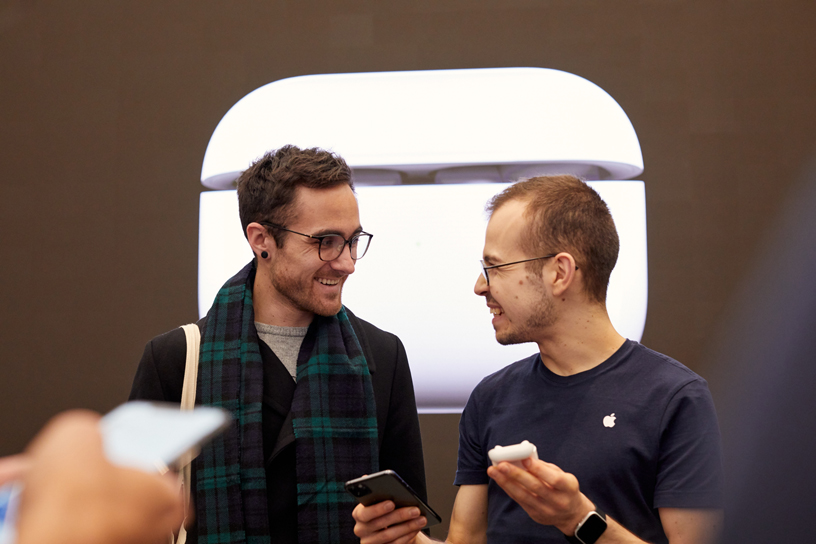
(272, 308)
(579, 341)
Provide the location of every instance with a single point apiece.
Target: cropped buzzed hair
(566, 214)
(266, 190)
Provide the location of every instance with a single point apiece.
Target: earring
(264, 255)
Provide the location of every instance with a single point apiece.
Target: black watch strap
(590, 529)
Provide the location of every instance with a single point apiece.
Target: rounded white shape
(422, 121)
(513, 454)
(417, 279)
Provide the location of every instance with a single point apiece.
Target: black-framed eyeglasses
(331, 246)
(485, 268)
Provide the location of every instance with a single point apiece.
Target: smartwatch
(590, 528)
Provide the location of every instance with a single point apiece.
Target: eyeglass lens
(333, 245)
(483, 272)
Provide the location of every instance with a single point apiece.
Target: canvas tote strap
(188, 391)
(188, 395)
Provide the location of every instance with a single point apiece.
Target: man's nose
(481, 288)
(344, 263)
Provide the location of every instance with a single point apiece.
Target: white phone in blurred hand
(153, 436)
(144, 435)
(9, 500)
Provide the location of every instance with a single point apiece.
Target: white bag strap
(188, 391)
(188, 395)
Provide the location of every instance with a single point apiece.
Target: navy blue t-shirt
(662, 451)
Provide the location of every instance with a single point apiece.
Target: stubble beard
(301, 293)
(543, 317)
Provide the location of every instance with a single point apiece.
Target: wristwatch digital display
(590, 528)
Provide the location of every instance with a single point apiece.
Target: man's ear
(565, 273)
(259, 239)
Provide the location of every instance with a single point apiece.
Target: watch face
(592, 529)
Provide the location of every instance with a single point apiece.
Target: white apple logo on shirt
(609, 421)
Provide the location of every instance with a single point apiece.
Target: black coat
(160, 377)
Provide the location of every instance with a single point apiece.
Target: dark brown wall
(106, 109)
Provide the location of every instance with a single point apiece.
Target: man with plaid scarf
(319, 395)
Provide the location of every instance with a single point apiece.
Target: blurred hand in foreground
(73, 495)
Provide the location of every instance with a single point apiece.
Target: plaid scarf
(333, 415)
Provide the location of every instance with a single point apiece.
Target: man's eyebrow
(488, 259)
(329, 232)
(326, 232)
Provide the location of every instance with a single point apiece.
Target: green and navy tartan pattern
(231, 503)
(335, 422)
(333, 413)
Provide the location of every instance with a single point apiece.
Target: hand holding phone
(72, 492)
(148, 436)
(386, 485)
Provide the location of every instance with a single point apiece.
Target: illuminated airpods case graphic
(428, 149)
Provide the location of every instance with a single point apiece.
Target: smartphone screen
(9, 499)
(387, 485)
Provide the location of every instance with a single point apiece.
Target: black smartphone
(386, 485)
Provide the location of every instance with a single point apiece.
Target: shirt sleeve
(690, 468)
(472, 460)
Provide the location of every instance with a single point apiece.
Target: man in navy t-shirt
(627, 438)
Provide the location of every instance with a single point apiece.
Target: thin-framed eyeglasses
(485, 268)
(331, 246)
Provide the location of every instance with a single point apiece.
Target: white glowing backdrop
(467, 133)
(417, 278)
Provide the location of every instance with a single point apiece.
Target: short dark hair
(566, 214)
(266, 190)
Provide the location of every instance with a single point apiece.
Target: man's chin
(510, 339)
(328, 309)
